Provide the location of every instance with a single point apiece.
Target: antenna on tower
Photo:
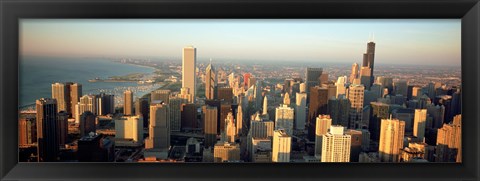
(210, 60)
(373, 37)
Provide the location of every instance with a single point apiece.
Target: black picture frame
(11, 11)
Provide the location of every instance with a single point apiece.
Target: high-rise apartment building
(336, 145)
(60, 93)
(88, 103)
(75, 94)
(189, 58)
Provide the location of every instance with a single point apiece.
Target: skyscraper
(338, 109)
(239, 120)
(175, 113)
(142, 109)
(401, 88)
(313, 77)
(26, 130)
(129, 127)
(210, 125)
(225, 94)
(366, 77)
(354, 74)
(75, 94)
(128, 103)
(62, 127)
(341, 89)
(189, 59)
(281, 146)
(47, 149)
(355, 96)
(284, 117)
(87, 123)
(318, 105)
(300, 110)
(230, 130)
(159, 128)
(185, 93)
(449, 141)
(210, 81)
(189, 116)
(286, 99)
(419, 123)
(368, 59)
(88, 103)
(59, 92)
(224, 151)
(105, 104)
(322, 126)
(356, 144)
(160, 94)
(378, 111)
(392, 132)
(336, 145)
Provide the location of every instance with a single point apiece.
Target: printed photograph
(240, 90)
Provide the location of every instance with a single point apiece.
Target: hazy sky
(397, 41)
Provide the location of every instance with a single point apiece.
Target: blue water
(38, 73)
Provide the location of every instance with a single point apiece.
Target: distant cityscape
(221, 111)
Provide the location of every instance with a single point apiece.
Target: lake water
(38, 73)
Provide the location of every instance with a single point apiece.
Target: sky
(419, 41)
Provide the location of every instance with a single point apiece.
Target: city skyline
(402, 41)
(371, 117)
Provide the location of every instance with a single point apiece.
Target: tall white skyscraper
(284, 118)
(300, 110)
(323, 123)
(419, 123)
(281, 146)
(265, 106)
(189, 58)
(336, 145)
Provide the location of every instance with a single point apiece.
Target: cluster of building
(241, 118)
